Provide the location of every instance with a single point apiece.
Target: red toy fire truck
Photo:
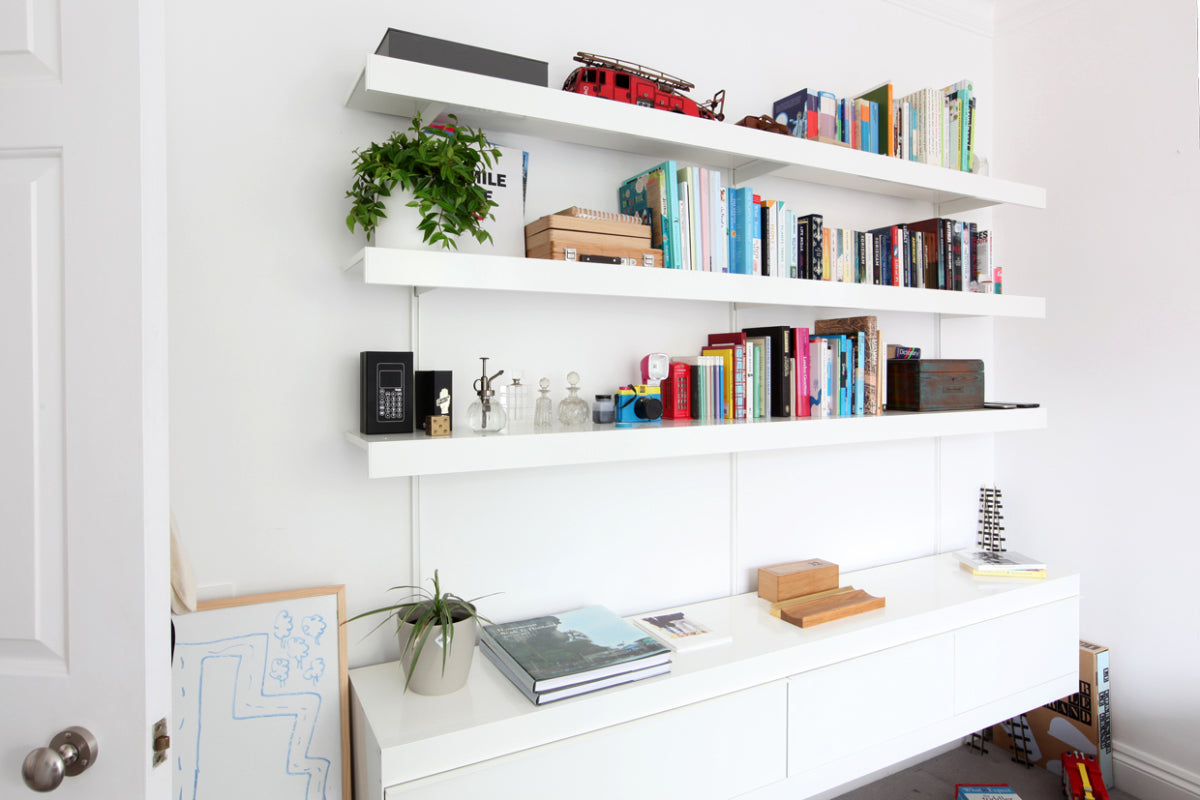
(633, 83)
(1081, 778)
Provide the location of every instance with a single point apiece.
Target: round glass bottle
(573, 410)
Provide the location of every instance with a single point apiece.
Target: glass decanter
(543, 411)
(517, 402)
(573, 410)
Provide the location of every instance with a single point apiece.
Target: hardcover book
(781, 366)
(652, 196)
(555, 651)
(541, 698)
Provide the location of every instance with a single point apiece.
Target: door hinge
(160, 742)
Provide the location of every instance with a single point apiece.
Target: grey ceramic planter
(427, 675)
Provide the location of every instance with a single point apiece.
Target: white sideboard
(780, 711)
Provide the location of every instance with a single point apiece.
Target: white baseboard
(1142, 775)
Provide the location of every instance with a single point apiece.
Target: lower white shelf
(950, 653)
(403, 455)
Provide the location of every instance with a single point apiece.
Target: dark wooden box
(934, 384)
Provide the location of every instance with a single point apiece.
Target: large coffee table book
(571, 653)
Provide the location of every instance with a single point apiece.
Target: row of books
(931, 126)
(937, 253)
(701, 225)
(836, 369)
(576, 652)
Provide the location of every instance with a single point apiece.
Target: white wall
(1098, 102)
(266, 328)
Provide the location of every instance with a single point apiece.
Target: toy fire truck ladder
(666, 83)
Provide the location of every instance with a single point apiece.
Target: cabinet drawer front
(1004, 656)
(714, 749)
(844, 708)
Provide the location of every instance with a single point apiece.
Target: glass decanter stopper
(543, 412)
(573, 410)
(486, 415)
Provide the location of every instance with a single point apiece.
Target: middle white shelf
(406, 455)
(432, 269)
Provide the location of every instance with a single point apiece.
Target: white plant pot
(399, 229)
(427, 675)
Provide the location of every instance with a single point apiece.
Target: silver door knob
(70, 753)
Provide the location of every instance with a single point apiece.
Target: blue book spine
(860, 371)
(731, 242)
(756, 242)
(874, 127)
(671, 179)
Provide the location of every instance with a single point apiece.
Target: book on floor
(985, 791)
(574, 647)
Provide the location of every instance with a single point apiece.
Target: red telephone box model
(633, 83)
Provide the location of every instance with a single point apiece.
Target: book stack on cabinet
(576, 652)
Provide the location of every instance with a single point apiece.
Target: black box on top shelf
(467, 58)
(433, 390)
(386, 392)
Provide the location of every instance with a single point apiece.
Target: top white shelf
(406, 88)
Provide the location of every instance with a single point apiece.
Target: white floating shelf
(442, 269)
(405, 88)
(406, 455)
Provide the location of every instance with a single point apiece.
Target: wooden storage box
(786, 581)
(934, 384)
(566, 237)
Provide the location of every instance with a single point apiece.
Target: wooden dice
(437, 425)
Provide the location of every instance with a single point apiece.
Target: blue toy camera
(639, 403)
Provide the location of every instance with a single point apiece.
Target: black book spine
(816, 247)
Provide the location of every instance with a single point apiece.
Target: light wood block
(798, 578)
(827, 609)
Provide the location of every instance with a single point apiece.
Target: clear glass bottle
(517, 402)
(573, 410)
(543, 412)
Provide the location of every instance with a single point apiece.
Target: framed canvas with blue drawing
(260, 698)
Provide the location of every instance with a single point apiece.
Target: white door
(84, 633)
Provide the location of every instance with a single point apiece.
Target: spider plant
(425, 611)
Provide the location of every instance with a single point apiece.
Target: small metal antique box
(934, 384)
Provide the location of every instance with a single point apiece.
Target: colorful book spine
(756, 243)
(803, 407)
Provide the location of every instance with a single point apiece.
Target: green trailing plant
(426, 612)
(438, 168)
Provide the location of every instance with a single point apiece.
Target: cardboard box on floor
(1081, 722)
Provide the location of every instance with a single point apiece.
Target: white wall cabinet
(779, 711)
(803, 710)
